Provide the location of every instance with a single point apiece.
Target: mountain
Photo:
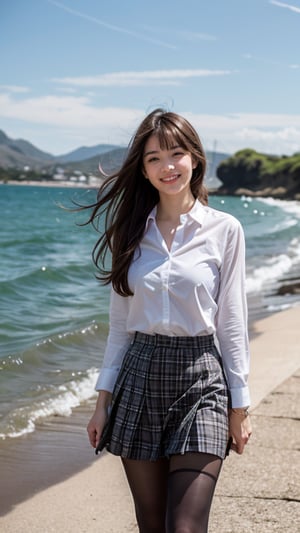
(20, 153)
(109, 162)
(85, 152)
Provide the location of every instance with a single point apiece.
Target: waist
(201, 341)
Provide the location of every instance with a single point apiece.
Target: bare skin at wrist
(240, 430)
(99, 418)
(104, 399)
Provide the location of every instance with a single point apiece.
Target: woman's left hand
(240, 430)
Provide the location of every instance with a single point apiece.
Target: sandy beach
(53, 482)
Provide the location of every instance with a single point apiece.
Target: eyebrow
(157, 151)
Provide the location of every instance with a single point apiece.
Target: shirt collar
(197, 213)
(151, 216)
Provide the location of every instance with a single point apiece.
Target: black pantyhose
(175, 495)
(192, 481)
(148, 481)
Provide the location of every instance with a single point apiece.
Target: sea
(54, 312)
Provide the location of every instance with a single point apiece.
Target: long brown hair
(126, 198)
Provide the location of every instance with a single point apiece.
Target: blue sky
(83, 72)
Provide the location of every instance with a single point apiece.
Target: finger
(92, 437)
(238, 447)
(97, 439)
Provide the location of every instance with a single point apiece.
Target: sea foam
(69, 395)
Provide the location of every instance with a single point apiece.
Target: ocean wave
(281, 226)
(49, 378)
(39, 271)
(68, 396)
(58, 346)
(289, 206)
(273, 308)
(273, 268)
(44, 301)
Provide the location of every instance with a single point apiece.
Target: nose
(169, 166)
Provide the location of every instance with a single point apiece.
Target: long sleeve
(117, 342)
(231, 319)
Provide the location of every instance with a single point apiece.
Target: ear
(194, 163)
(144, 173)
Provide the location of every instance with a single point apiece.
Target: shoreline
(56, 450)
(59, 450)
(62, 184)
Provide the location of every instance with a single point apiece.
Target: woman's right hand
(99, 418)
(96, 425)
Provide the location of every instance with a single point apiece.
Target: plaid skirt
(171, 397)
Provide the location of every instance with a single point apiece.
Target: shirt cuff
(240, 397)
(107, 379)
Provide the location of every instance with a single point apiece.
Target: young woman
(170, 400)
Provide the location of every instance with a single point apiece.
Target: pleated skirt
(171, 397)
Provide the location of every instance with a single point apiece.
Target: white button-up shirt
(196, 288)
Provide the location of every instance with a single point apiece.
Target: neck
(172, 207)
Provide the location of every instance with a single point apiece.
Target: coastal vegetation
(256, 174)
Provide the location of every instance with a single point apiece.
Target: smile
(170, 178)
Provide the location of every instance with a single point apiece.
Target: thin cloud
(295, 9)
(181, 34)
(270, 133)
(14, 89)
(239, 121)
(134, 79)
(67, 111)
(265, 61)
(112, 27)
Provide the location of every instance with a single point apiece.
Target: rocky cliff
(254, 174)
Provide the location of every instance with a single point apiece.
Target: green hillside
(259, 174)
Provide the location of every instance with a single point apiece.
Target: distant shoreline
(49, 183)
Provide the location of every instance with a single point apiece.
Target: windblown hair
(126, 198)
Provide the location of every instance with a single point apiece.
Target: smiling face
(168, 170)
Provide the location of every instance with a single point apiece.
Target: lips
(170, 178)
